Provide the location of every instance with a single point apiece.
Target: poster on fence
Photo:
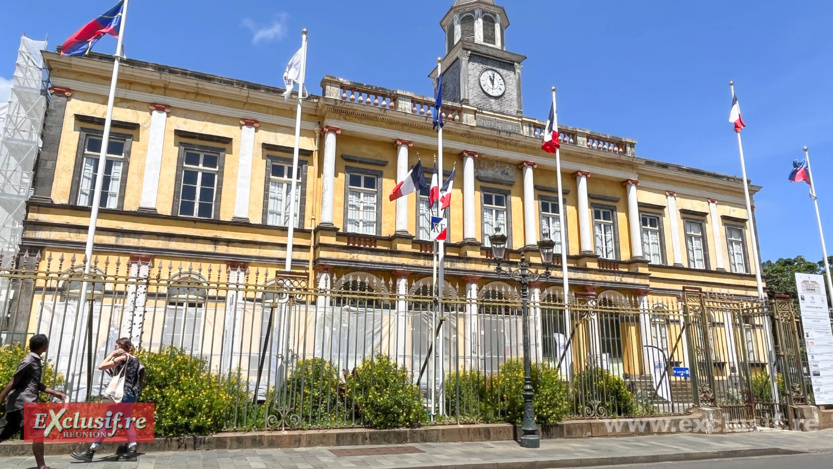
(815, 317)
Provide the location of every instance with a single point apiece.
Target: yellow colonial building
(197, 189)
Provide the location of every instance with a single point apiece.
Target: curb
(617, 461)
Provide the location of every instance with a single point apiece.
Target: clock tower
(477, 69)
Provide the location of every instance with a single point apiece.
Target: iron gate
(747, 358)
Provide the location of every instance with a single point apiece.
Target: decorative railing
(609, 265)
(423, 106)
(361, 242)
(266, 330)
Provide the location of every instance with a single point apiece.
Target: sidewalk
(497, 455)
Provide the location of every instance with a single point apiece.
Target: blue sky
(655, 71)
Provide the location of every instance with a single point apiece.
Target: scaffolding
(20, 142)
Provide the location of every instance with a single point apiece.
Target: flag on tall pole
(82, 42)
(735, 118)
(301, 68)
(86, 37)
(434, 189)
(551, 144)
(800, 172)
(292, 75)
(808, 177)
(438, 105)
(734, 114)
(552, 131)
(413, 182)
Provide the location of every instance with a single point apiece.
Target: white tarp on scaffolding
(20, 141)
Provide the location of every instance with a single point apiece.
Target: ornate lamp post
(524, 276)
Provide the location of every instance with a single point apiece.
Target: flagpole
(563, 230)
(755, 257)
(818, 217)
(752, 232)
(441, 255)
(296, 150)
(99, 184)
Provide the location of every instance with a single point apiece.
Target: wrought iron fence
(298, 349)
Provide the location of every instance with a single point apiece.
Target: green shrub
(474, 405)
(11, 356)
(189, 399)
(313, 392)
(384, 396)
(598, 393)
(551, 396)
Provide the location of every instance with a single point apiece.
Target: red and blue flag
(82, 42)
(800, 172)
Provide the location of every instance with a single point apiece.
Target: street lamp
(524, 276)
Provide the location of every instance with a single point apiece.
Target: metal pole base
(530, 441)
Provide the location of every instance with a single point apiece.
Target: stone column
(324, 320)
(233, 318)
(718, 242)
(518, 88)
(584, 226)
(673, 216)
(530, 227)
(478, 26)
(471, 336)
(134, 314)
(535, 325)
(153, 160)
(400, 342)
(468, 196)
(634, 220)
(329, 171)
(244, 169)
(645, 323)
(402, 147)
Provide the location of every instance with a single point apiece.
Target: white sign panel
(818, 336)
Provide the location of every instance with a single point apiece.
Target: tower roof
(463, 2)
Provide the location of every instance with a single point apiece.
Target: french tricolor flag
(434, 190)
(551, 144)
(414, 181)
(445, 191)
(800, 172)
(82, 42)
(734, 115)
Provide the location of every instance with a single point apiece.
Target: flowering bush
(313, 390)
(384, 396)
(551, 399)
(190, 400)
(10, 357)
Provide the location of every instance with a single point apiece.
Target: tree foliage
(780, 275)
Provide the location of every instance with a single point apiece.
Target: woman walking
(121, 361)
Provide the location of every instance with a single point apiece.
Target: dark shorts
(11, 425)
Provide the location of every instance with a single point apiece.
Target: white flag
(292, 74)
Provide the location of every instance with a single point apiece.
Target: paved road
(689, 449)
(803, 461)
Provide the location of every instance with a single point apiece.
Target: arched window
(489, 30)
(360, 290)
(185, 312)
(467, 28)
(71, 285)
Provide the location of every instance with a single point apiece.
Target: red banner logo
(88, 422)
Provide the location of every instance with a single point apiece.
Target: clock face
(492, 83)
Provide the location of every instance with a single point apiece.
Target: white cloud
(276, 30)
(5, 90)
